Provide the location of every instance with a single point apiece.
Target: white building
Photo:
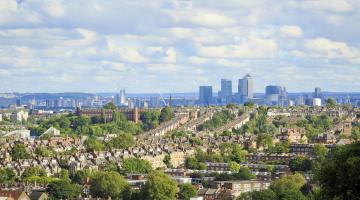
(53, 131)
(19, 116)
(0, 117)
(316, 102)
(18, 134)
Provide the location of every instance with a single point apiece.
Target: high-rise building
(226, 90)
(245, 88)
(276, 95)
(205, 95)
(317, 93)
(122, 97)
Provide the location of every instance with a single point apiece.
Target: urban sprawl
(243, 145)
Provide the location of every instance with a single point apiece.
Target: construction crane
(163, 100)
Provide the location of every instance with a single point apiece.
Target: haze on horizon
(175, 46)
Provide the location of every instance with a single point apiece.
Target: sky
(178, 45)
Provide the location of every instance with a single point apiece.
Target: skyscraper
(317, 93)
(245, 88)
(205, 95)
(122, 97)
(276, 95)
(226, 90)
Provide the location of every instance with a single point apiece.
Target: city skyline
(54, 46)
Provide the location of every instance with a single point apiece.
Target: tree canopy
(159, 187)
(107, 184)
(136, 165)
(340, 176)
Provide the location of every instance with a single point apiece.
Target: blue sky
(177, 45)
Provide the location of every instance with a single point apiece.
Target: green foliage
(178, 134)
(300, 163)
(249, 104)
(340, 176)
(62, 189)
(232, 152)
(355, 131)
(96, 126)
(33, 171)
(79, 176)
(19, 152)
(315, 125)
(64, 174)
(288, 187)
(218, 119)
(280, 121)
(7, 176)
(93, 144)
(167, 160)
(110, 166)
(263, 195)
(186, 192)
(166, 114)
(150, 119)
(110, 106)
(330, 103)
(43, 152)
(192, 163)
(280, 147)
(244, 173)
(234, 166)
(122, 141)
(320, 152)
(107, 184)
(258, 124)
(136, 165)
(196, 141)
(210, 156)
(159, 187)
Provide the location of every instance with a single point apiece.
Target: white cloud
(290, 31)
(323, 47)
(251, 47)
(207, 18)
(131, 55)
(54, 8)
(171, 55)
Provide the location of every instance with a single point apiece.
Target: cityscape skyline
(48, 46)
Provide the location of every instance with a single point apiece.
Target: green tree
(79, 176)
(166, 114)
(64, 174)
(263, 195)
(300, 163)
(186, 192)
(330, 103)
(7, 175)
(288, 187)
(136, 165)
(107, 184)
(339, 176)
(42, 152)
(93, 144)
(159, 187)
(122, 141)
(320, 152)
(19, 152)
(167, 160)
(62, 189)
(110, 106)
(234, 166)
(33, 171)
